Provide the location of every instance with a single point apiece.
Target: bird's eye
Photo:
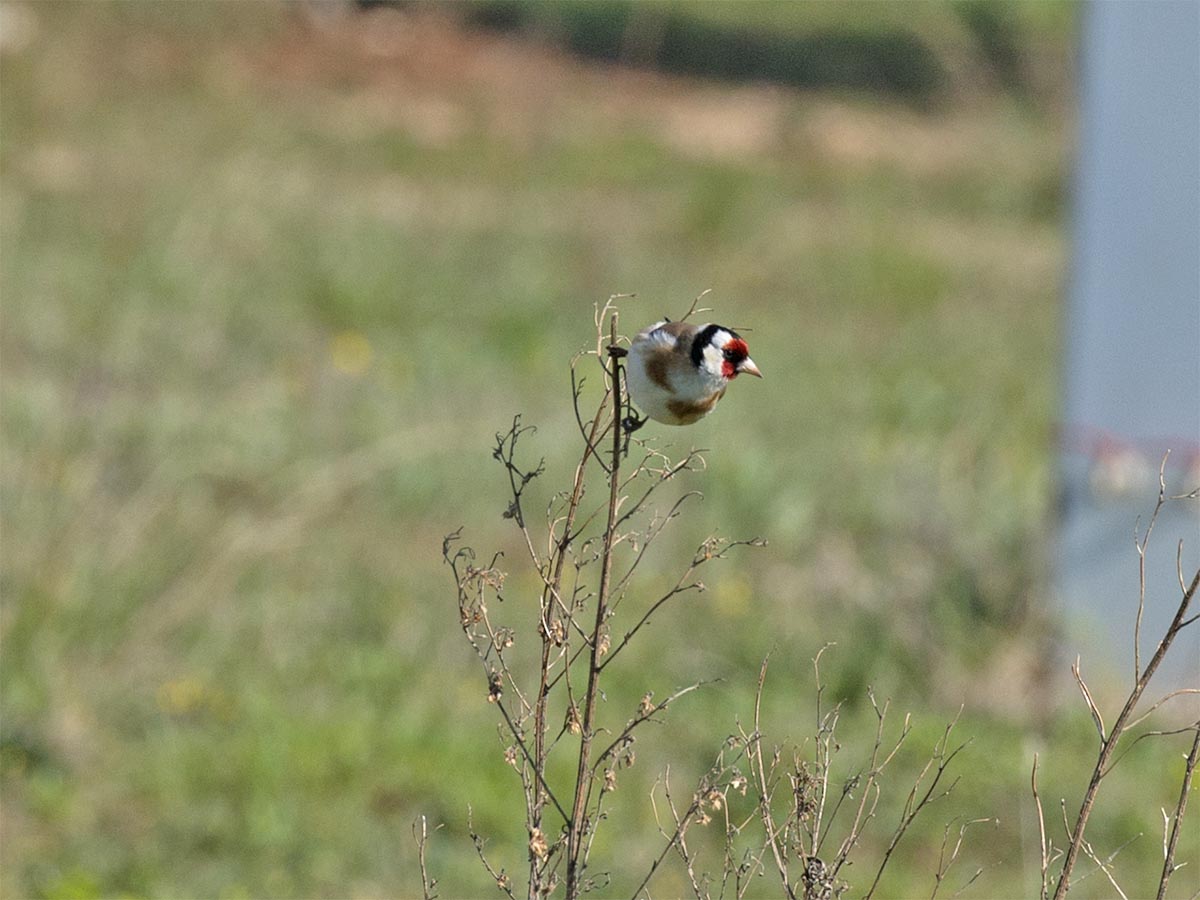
(729, 354)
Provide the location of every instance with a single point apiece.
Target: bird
(676, 372)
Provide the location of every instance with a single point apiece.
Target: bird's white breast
(654, 350)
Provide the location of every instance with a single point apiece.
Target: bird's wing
(677, 336)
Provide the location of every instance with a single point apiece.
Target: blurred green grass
(268, 291)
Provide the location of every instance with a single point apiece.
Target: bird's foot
(629, 425)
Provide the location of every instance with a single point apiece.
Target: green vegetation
(268, 292)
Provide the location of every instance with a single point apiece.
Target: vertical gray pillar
(1133, 327)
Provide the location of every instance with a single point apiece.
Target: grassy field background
(269, 289)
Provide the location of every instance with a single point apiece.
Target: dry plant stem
(1109, 741)
(806, 825)
(870, 787)
(502, 881)
(715, 779)
(945, 863)
(707, 552)
(764, 792)
(1141, 552)
(549, 597)
(1105, 865)
(1176, 820)
(583, 776)
(428, 885)
(641, 717)
(680, 839)
(538, 770)
(1044, 891)
(913, 806)
(681, 824)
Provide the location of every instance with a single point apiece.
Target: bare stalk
(764, 791)
(428, 885)
(583, 778)
(918, 800)
(1177, 819)
(1109, 742)
(946, 861)
(503, 882)
(550, 604)
(1044, 889)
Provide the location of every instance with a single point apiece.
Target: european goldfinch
(676, 372)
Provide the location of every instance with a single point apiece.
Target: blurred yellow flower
(181, 696)
(350, 352)
(190, 696)
(733, 597)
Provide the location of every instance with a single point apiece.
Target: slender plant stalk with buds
(575, 618)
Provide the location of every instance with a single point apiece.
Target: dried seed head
(704, 818)
(572, 723)
(610, 779)
(603, 644)
(647, 705)
(739, 783)
(495, 687)
(818, 882)
(510, 756)
(503, 881)
(715, 799)
(504, 638)
(805, 789)
(537, 844)
(558, 632)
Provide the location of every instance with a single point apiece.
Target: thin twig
(869, 797)
(1177, 819)
(1141, 737)
(1141, 551)
(1091, 704)
(944, 864)
(703, 791)
(583, 779)
(1176, 693)
(537, 771)
(1110, 743)
(712, 548)
(695, 308)
(428, 885)
(1105, 865)
(503, 882)
(550, 596)
(764, 793)
(645, 715)
(913, 806)
(1045, 848)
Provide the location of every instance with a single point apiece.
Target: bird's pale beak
(747, 365)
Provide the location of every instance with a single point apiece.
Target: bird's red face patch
(734, 352)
